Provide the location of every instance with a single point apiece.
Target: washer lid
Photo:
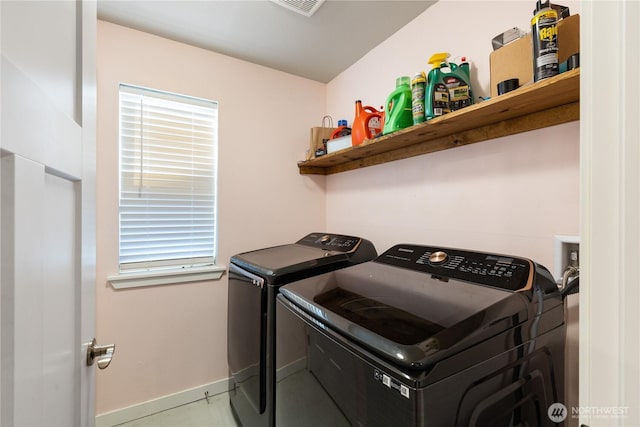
(409, 318)
(313, 254)
(417, 316)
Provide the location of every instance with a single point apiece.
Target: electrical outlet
(566, 254)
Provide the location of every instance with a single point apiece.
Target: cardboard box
(338, 144)
(515, 60)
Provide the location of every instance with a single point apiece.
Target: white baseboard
(119, 416)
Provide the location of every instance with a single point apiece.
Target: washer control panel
(505, 272)
(330, 242)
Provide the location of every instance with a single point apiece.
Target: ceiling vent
(303, 7)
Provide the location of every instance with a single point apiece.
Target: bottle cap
(420, 77)
(403, 80)
(437, 59)
(342, 122)
(541, 5)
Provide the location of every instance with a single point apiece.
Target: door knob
(102, 353)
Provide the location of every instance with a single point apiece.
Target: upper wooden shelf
(549, 102)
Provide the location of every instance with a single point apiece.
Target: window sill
(166, 277)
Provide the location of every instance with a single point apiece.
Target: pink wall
(173, 338)
(510, 195)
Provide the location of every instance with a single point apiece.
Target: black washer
(426, 336)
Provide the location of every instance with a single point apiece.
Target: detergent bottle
(398, 109)
(436, 95)
(367, 124)
(341, 130)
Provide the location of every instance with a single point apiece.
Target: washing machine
(428, 336)
(255, 278)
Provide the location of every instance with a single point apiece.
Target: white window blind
(168, 147)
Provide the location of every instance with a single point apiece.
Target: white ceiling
(318, 47)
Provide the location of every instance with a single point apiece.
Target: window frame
(179, 270)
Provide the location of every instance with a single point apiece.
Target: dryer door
(246, 333)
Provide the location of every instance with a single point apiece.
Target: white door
(47, 215)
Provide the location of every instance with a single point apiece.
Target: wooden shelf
(549, 102)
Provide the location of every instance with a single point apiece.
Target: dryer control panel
(500, 271)
(330, 242)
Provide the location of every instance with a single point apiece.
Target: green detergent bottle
(436, 95)
(398, 109)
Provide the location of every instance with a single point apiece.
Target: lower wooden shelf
(546, 103)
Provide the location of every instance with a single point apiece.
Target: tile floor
(216, 413)
(311, 408)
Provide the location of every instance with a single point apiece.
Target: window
(168, 147)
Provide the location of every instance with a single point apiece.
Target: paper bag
(318, 141)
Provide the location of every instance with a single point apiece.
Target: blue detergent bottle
(398, 112)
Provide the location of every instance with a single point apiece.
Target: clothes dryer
(254, 280)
